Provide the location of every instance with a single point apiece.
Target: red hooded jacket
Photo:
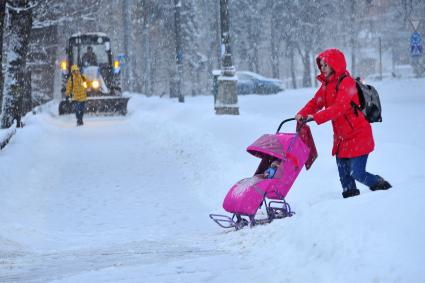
(352, 133)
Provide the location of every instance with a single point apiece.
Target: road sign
(416, 38)
(415, 24)
(122, 58)
(416, 44)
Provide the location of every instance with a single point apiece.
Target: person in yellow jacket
(76, 89)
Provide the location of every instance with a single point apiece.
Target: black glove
(308, 119)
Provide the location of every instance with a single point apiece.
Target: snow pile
(126, 199)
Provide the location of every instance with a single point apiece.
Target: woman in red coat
(353, 139)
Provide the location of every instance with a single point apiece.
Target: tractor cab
(92, 53)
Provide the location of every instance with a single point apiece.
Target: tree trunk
(27, 97)
(274, 42)
(313, 59)
(2, 18)
(256, 61)
(146, 52)
(305, 57)
(353, 56)
(292, 66)
(251, 63)
(127, 71)
(353, 38)
(253, 38)
(307, 70)
(179, 50)
(213, 50)
(19, 28)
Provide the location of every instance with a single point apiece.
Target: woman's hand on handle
(300, 118)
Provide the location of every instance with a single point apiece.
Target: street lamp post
(416, 48)
(227, 100)
(127, 71)
(179, 51)
(380, 59)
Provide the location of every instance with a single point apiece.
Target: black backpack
(370, 104)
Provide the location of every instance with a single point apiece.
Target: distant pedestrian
(353, 138)
(76, 89)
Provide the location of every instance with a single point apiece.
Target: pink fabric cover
(307, 138)
(246, 195)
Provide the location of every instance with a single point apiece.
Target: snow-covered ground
(126, 199)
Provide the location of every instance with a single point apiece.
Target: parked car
(253, 83)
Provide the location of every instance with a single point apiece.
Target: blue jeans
(79, 111)
(354, 169)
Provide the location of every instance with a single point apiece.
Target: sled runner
(291, 151)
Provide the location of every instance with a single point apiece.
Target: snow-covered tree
(16, 78)
(2, 18)
(277, 38)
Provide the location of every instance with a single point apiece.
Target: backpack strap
(353, 105)
(355, 108)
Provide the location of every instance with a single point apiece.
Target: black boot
(381, 185)
(350, 193)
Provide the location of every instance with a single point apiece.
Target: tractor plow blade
(98, 105)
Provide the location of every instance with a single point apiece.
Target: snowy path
(55, 265)
(126, 199)
(110, 193)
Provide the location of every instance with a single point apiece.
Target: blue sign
(416, 38)
(416, 44)
(121, 57)
(179, 56)
(416, 51)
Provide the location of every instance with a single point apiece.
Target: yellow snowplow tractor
(91, 52)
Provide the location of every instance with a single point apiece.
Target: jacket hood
(75, 68)
(335, 59)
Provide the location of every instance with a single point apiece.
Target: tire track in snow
(45, 267)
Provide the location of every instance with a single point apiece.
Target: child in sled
(269, 173)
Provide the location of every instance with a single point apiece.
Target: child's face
(275, 164)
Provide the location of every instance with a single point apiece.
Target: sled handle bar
(303, 122)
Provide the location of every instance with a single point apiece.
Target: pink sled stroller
(246, 197)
